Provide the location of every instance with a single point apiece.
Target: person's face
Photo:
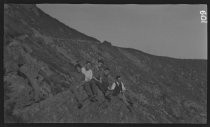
(119, 79)
(100, 64)
(106, 72)
(88, 65)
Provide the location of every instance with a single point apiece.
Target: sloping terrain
(40, 52)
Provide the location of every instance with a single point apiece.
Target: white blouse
(88, 74)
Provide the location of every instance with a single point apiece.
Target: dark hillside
(40, 51)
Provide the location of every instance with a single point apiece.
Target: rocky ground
(40, 53)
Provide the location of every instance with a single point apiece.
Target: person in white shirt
(89, 84)
(118, 90)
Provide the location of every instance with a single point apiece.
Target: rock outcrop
(40, 79)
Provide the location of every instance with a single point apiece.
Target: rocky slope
(41, 51)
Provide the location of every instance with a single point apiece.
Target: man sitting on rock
(89, 84)
(98, 71)
(118, 90)
(102, 78)
(105, 81)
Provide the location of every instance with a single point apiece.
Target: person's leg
(107, 96)
(109, 93)
(93, 88)
(98, 84)
(104, 90)
(103, 87)
(129, 99)
(122, 97)
(88, 89)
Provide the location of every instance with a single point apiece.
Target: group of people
(99, 78)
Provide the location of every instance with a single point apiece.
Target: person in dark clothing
(98, 71)
(105, 82)
(118, 90)
(102, 78)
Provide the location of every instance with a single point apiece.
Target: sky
(164, 30)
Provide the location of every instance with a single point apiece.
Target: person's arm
(96, 79)
(101, 74)
(90, 76)
(83, 70)
(110, 80)
(123, 87)
(97, 75)
(113, 86)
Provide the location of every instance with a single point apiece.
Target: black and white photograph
(105, 63)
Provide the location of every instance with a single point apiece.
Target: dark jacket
(117, 89)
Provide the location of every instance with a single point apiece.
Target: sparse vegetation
(40, 53)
